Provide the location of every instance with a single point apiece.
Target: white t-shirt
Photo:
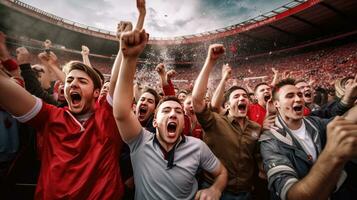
(305, 140)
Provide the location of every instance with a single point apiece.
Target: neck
(165, 145)
(293, 124)
(262, 103)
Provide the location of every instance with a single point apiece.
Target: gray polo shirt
(154, 180)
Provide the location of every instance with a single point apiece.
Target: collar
(170, 155)
(232, 120)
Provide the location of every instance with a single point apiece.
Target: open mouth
(171, 128)
(143, 110)
(266, 98)
(76, 98)
(298, 108)
(307, 94)
(242, 107)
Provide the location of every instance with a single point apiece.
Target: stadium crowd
(282, 126)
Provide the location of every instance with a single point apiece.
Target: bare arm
(124, 27)
(199, 90)
(275, 77)
(216, 189)
(140, 4)
(218, 95)
(14, 99)
(324, 175)
(132, 44)
(85, 55)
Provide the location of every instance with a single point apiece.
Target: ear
(96, 93)
(154, 123)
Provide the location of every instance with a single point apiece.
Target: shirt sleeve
(206, 118)
(39, 115)
(136, 143)
(280, 171)
(169, 90)
(208, 161)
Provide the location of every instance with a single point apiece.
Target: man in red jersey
(81, 143)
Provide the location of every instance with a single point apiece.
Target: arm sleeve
(331, 110)
(169, 90)
(207, 118)
(10, 64)
(33, 86)
(280, 172)
(208, 161)
(136, 143)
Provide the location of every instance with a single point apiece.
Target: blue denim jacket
(285, 159)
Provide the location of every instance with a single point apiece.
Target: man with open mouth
(257, 111)
(145, 108)
(232, 137)
(300, 159)
(308, 94)
(164, 163)
(75, 139)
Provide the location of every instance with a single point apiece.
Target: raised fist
(22, 55)
(48, 59)
(133, 43)
(85, 50)
(160, 68)
(171, 73)
(47, 44)
(123, 26)
(215, 51)
(226, 72)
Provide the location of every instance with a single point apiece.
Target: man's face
(169, 121)
(238, 103)
(79, 92)
(182, 96)
(290, 102)
(145, 106)
(105, 89)
(306, 91)
(61, 92)
(263, 93)
(187, 106)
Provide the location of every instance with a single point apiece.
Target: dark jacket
(285, 160)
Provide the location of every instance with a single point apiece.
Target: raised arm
(14, 99)
(140, 4)
(85, 55)
(218, 95)
(199, 90)
(132, 44)
(325, 173)
(275, 77)
(50, 60)
(32, 84)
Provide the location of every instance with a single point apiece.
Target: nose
(173, 114)
(74, 83)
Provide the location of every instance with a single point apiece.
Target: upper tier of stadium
(292, 24)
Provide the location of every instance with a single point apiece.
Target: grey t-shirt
(153, 179)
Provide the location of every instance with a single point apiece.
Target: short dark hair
(282, 83)
(154, 93)
(232, 89)
(77, 65)
(167, 98)
(259, 84)
(100, 74)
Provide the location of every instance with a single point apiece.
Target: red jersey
(78, 161)
(256, 113)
